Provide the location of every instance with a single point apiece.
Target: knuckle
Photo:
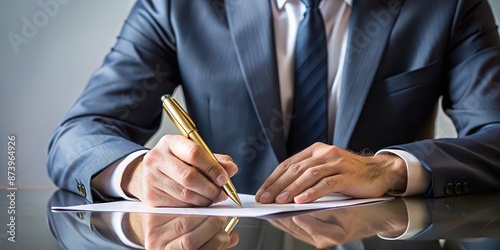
(181, 226)
(186, 244)
(296, 169)
(329, 182)
(150, 158)
(313, 172)
(165, 139)
(194, 151)
(295, 228)
(186, 194)
(333, 150)
(286, 165)
(188, 176)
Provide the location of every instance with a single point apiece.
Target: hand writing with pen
(160, 231)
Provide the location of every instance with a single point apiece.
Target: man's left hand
(322, 169)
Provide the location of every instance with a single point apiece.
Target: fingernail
(283, 197)
(259, 192)
(301, 197)
(265, 196)
(222, 180)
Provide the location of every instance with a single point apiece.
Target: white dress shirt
(287, 15)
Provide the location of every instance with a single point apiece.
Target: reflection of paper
(225, 208)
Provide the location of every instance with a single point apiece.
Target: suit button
(466, 187)
(449, 189)
(458, 188)
(81, 189)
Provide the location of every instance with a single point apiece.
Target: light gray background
(39, 83)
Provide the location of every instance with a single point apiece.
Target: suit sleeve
(120, 108)
(471, 162)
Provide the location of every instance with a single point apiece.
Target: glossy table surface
(462, 222)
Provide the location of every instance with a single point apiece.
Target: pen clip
(183, 112)
(178, 116)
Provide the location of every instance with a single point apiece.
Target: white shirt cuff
(108, 182)
(418, 219)
(418, 180)
(116, 223)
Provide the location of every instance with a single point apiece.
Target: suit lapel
(368, 35)
(251, 26)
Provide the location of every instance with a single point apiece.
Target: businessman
(295, 96)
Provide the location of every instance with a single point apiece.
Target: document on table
(251, 208)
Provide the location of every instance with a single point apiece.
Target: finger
(235, 239)
(278, 172)
(159, 189)
(314, 226)
(154, 197)
(198, 236)
(220, 240)
(158, 237)
(309, 176)
(195, 155)
(325, 186)
(181, 195)
(227, 163)
(324, 234)
(288, 226)
(277, 191)
(191, 184)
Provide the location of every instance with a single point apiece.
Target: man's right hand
(178, 173)
(166, 231)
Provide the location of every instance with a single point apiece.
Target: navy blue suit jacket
(401, 57)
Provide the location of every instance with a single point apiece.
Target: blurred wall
(44, 73)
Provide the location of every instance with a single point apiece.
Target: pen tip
(236, 199)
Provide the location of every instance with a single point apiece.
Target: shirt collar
(281, 3)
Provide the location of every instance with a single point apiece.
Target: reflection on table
(467, 222)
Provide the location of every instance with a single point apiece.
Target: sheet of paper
(225, 208)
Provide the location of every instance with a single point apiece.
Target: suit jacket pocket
(407, 81)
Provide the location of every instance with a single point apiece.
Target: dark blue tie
(309, 122)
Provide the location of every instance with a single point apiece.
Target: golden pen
(188, 129)
(231, 224)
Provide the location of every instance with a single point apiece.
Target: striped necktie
(309, 122)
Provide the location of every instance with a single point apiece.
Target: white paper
(226, 208)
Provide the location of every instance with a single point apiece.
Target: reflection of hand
(159, 231)
(332, 227)
(178, 172)
(322, 169)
